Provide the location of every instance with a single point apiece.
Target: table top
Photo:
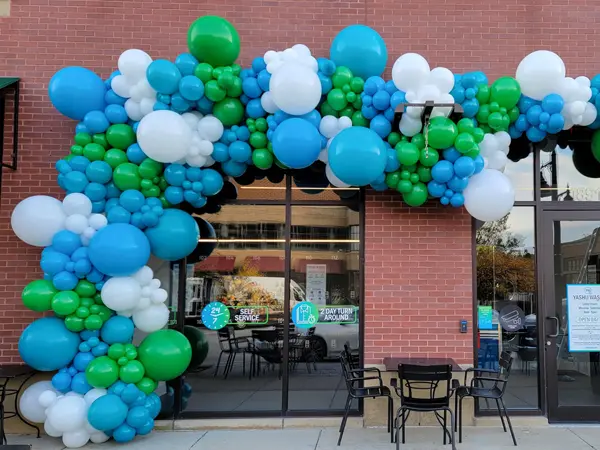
(14, 370)
(391, 363)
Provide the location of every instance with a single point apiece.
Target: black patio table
(391, 363)
(7, 374)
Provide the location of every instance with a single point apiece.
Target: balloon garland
(159, 139)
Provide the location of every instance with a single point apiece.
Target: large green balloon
(596, 145)
(214, 40)
(102, 372)
(230, 111)
(418, 195)
(407, 153)
(126, 176)
(65, 302)
(441, 133)
(199, 345)
(120, 136)
(506, 92)
(38, 295)
(165, 354)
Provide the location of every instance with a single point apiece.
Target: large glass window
(507, 303)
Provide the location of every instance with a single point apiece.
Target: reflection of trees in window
(503, 265)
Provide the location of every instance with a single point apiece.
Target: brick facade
(425, 278)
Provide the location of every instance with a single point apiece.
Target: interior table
(391, 363)
(10, 373)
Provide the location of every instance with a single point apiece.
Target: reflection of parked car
(329, 339)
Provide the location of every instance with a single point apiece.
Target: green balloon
(87, 302)
(199, 345)
(418, 195)
(392, 179)
(410, 168)
(150, 168)
(65, 302)
(478, 134)
(429, 157)
(204, 72)
(74, 323)
(104, 314)
(235, 90)
(85, 289)
(327, 110)
(337, 99)
(126, 176)
(102, 372)
(132, 372)
(357, 85)
(404, 186)
(116, 351)
(131, 351)
(596, 145)
(351, 97)
(262, 126)
(358, 120)
(441, 133)
(483, 94)
(83, 139)
(424, 174)
(214, 40)
(146, 385)
(483, 114)
(120, 136)
(407, 153)
(262, 158)
(506, 92)
(258, 139)
(414, 178)
(166, 354)
(465, 125)
(94, 322)
(100, 139)
(38, 295)
(419, 141)
(341, 77)
(393, 138)
(347, 112)
(214, 92)
(464, 142)
(76, 150)
(513, 114)
(94, 152)
(115, 157)
(225, 80)
(82, 312)
(229, 111)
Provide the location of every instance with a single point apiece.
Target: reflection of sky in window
(581, 187)
(521, 175)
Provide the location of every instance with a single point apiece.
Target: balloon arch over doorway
(158, 140)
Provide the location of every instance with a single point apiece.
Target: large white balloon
(540, 73)
(295, 88)
(489, 195)
(37, 219)
(164, 136)
(29, 403)
(152, 318)
(410, 71)
(121, 293)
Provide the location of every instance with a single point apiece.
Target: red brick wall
(41, 36)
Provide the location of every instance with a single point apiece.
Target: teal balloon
(175, 236)
(361, 49)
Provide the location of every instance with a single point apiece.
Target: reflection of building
(580, 260)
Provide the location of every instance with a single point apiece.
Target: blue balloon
(186, 64)
(191, 88)
(98, 207)
(119, 249)
(392, 164)
(146, 428)
(296, 143)
(130, 393)
(326, 83)
(263, 78)
(397, 98)
(117, 330)
(64, 281)
(254, 109)
(95, 192)
(314, 117)
(47, 345)
(123, 434)
(251, 88)
(451, 154)
(153, 405)
(361, 49)
(116, 114)
(175, 236)
(233, 168)
(381, 126)
(174, 195)
(75, 181)
(457, 200)
(436, 189)
(180, 104)
(220, 152)
(471, 107)
(553, 103)
(81, 361)
(79, 163)
(79, 384)
(99, 172)
(212, 181)
(111, 98)
(534, 134)
(75, 91)
(163, 76)
(138, 416)
(96, 122)
(479, 163)
(175, 174)
(53, 262)
(442, 171)
(521, 124)
(240, 152)
(61, 381)
(556, 123)
(326, 66)
(372, 86)
(464, 167)
(132, 200)
(66, 242)
(381, 100)
(458, 184)
(357, 156)
(204, 105)
(533, 115)
(107, 412)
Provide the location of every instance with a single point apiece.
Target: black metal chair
(231, 346)
(419, 390)
(355, 379)
(489, 385)
(300, 350)
(353, 355)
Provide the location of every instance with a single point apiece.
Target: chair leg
(343, 424)
(452, 422)
(445, 422)
(218, 362)
(512, 433)
(460, 417)
(501, 417)
(244, 363)
(405, 415)
(229, 364)
(390, 414)
(456, 410)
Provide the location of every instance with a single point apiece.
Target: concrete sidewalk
(421, 438)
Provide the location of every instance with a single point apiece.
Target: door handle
(557, 326)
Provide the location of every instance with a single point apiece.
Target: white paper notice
(316, 283)
(583, 315)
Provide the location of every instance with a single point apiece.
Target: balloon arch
(160, 139)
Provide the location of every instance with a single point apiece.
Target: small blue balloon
(436, 189)
(163, 76)
(470, 107)
(254, 109)
(79, 384)
(186, 64)
(111, 98)
(118, 214)
(117, 330)
(264, 79)
(116, 114)
(61, 381)
(64, 281)
(98, 207)
(381, 126)
(146, 428)
(191, 88)
(107, 413)
(175, 174)
(451, 154)
(479, 163)
(79, 163)
(138, 416)
(369, 112)
(392, 164)
(326, 83)
(47, 345)
(132, 200)
(373, 84)
(96, 122)
(397, 98)
(175, 236)
(458, 184)
(100, 350)
(99, 172)
(119, 249)
(81, 361)
(534, 134)
(361, 49)
(174, 195)
(326, 66)
(553, 103)
(123, 434)
(381, 100)
(204, 105)
(525, 103)
(251, 88)
(464, 167)
(180, 104)
(296, 143)
(313, 117)
(76, 91)
(75, 181)
(240, 152)
(95, 192)
(442, 171)
(457, 200)
(556, 123)
(233, 168)
(53, 262)
(66, 242)
(212, 181)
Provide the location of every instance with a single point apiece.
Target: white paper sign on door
(583, 316)
(316, 283)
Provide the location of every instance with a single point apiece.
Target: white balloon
(76, 223)
(144, 276)
(133, 110)
(503, 139)
(302, 50)
(442, 78)
(589, 115)
(121, 86)
(99, 438)
(497, 161)
(489, 145)
(489, 195)
(121, 293)
(133, 63)
(152, 318)
(48, 397)
(328, 126)
(29, 403)
(94, 394)
(164, 136)
(324, 155)
(51, 431)
(333, 179)
(68, 413)
(210, 128)
(540, 73)
(143, 304)
(75, 439)
(77, 203)
(268, 104)
(159, 296)
(37, 219)
(344, 122)
(443, 111)
(409, 126)
(296, 89)
(270, 56)
(147, 105)
(410, 71)
(97, 221)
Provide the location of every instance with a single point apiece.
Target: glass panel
(577, 305)
(262, 185)
(245, 273)
(569, 175)
(507, 304)
(325, 272)
(520, 171)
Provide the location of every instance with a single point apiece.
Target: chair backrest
(224, 338)
(352, 358)
(346, 372)
(420, 385)
(505, 365)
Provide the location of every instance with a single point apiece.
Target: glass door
(572, 314)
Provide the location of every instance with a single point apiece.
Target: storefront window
(507, 304)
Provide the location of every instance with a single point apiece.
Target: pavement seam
(199, 439)
(318, 439)
(572, 431)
